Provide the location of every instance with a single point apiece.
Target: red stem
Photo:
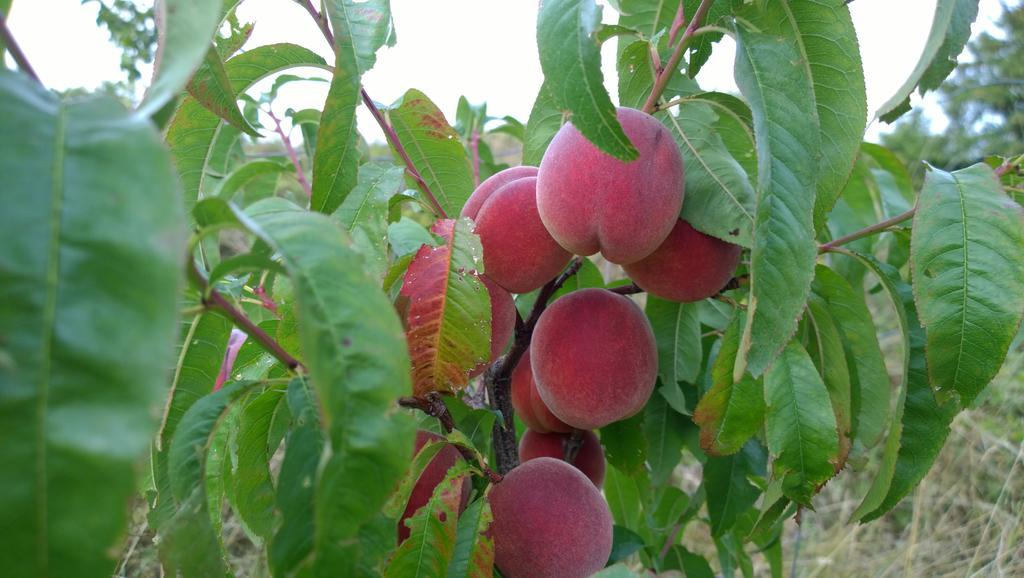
(677, 56)
(389, 132)
(299, 173)
(474, 146)
(215, 299)
(12, 46)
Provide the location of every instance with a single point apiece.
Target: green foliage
(360, 300)
(782, 259)
(91, 267)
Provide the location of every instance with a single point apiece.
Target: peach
(519, 253)
(589, 458)
(503, 321)
(528, 404)
(590, 201)
(688, 266)
(594, 358)
(432, 475)
(550, 521)
(493, 183)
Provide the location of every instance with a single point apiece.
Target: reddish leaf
(449, 325)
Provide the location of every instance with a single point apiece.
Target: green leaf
(616, 571)
(828, 45)
(677, 330)
(735, 126)
(360, 29)
(203, 343)
(919, 425)
(303, 448)
(434, 148)
(570, 57)
(663, 430)
(474, 548)
(967, 254)
(869, 379)
(93, 241)
(194, 130)
(727, 483)
(730, 412)
(449, 322)
(773, 76)
(692, 565)
(625, 543)
(620, 490)
(951, 28)
(433, 529)
(719, 197)
(364, 213)
(825, 347)
(545, 120)
(246, 173)
(358, 363)
(186, 31)
(624, 444)
(800, 425)
(189, 545)
(211, 87)
(253, 490)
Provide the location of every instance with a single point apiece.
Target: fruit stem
(866, 231)
(677, 55)
(630, 289)
(12, 46)
(389, 132)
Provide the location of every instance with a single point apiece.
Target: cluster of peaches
(593, 357)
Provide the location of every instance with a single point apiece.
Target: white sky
(483, 49)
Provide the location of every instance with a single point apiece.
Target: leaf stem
(299, 173)
(389, 132)
(677, 55)
(16, 53)
(867, 231)
(213, 299)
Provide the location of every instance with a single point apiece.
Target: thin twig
(866, 231)
(433, 405)
(299, 173)
(630, 289)
(214, 299)
(677, 56)
(12, 46)
(474, 146)
(389, 132)
(410, 168)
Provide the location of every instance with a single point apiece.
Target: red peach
(432, 475)
(594, 358)
(503, 321)
(519, 253)
(589, 458)
(550, 521)
(590, 201)
(493, 183)
(527, 402)
(688, 266)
